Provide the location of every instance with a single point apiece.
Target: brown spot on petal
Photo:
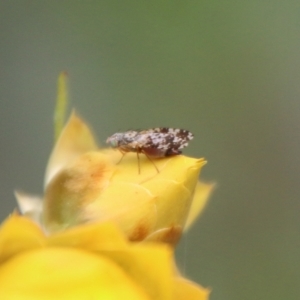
(140, 232)
(172, 235)
(169, 235)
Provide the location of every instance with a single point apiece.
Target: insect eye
(114, 143)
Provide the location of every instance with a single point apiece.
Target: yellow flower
(77, 241)
(85, 184)
(92, 261)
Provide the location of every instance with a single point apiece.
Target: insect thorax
(121, 140)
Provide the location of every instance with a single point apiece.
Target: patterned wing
(163, 141)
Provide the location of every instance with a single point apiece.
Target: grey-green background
(227, 70)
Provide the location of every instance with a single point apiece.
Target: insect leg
(138, 158)
(152, 162)
(123, 154)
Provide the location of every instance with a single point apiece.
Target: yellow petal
(185, 289)
(75, 140)
(91, 237)
(83, 192)
(176, 168)
(30, 206)
(128, 205)
(174, 188)
(200, 199)
(18, 234)
(75, 187)
(65, 273)
(151, 266)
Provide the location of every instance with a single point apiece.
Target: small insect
(154, 143)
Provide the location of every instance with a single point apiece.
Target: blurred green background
(229, 71)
